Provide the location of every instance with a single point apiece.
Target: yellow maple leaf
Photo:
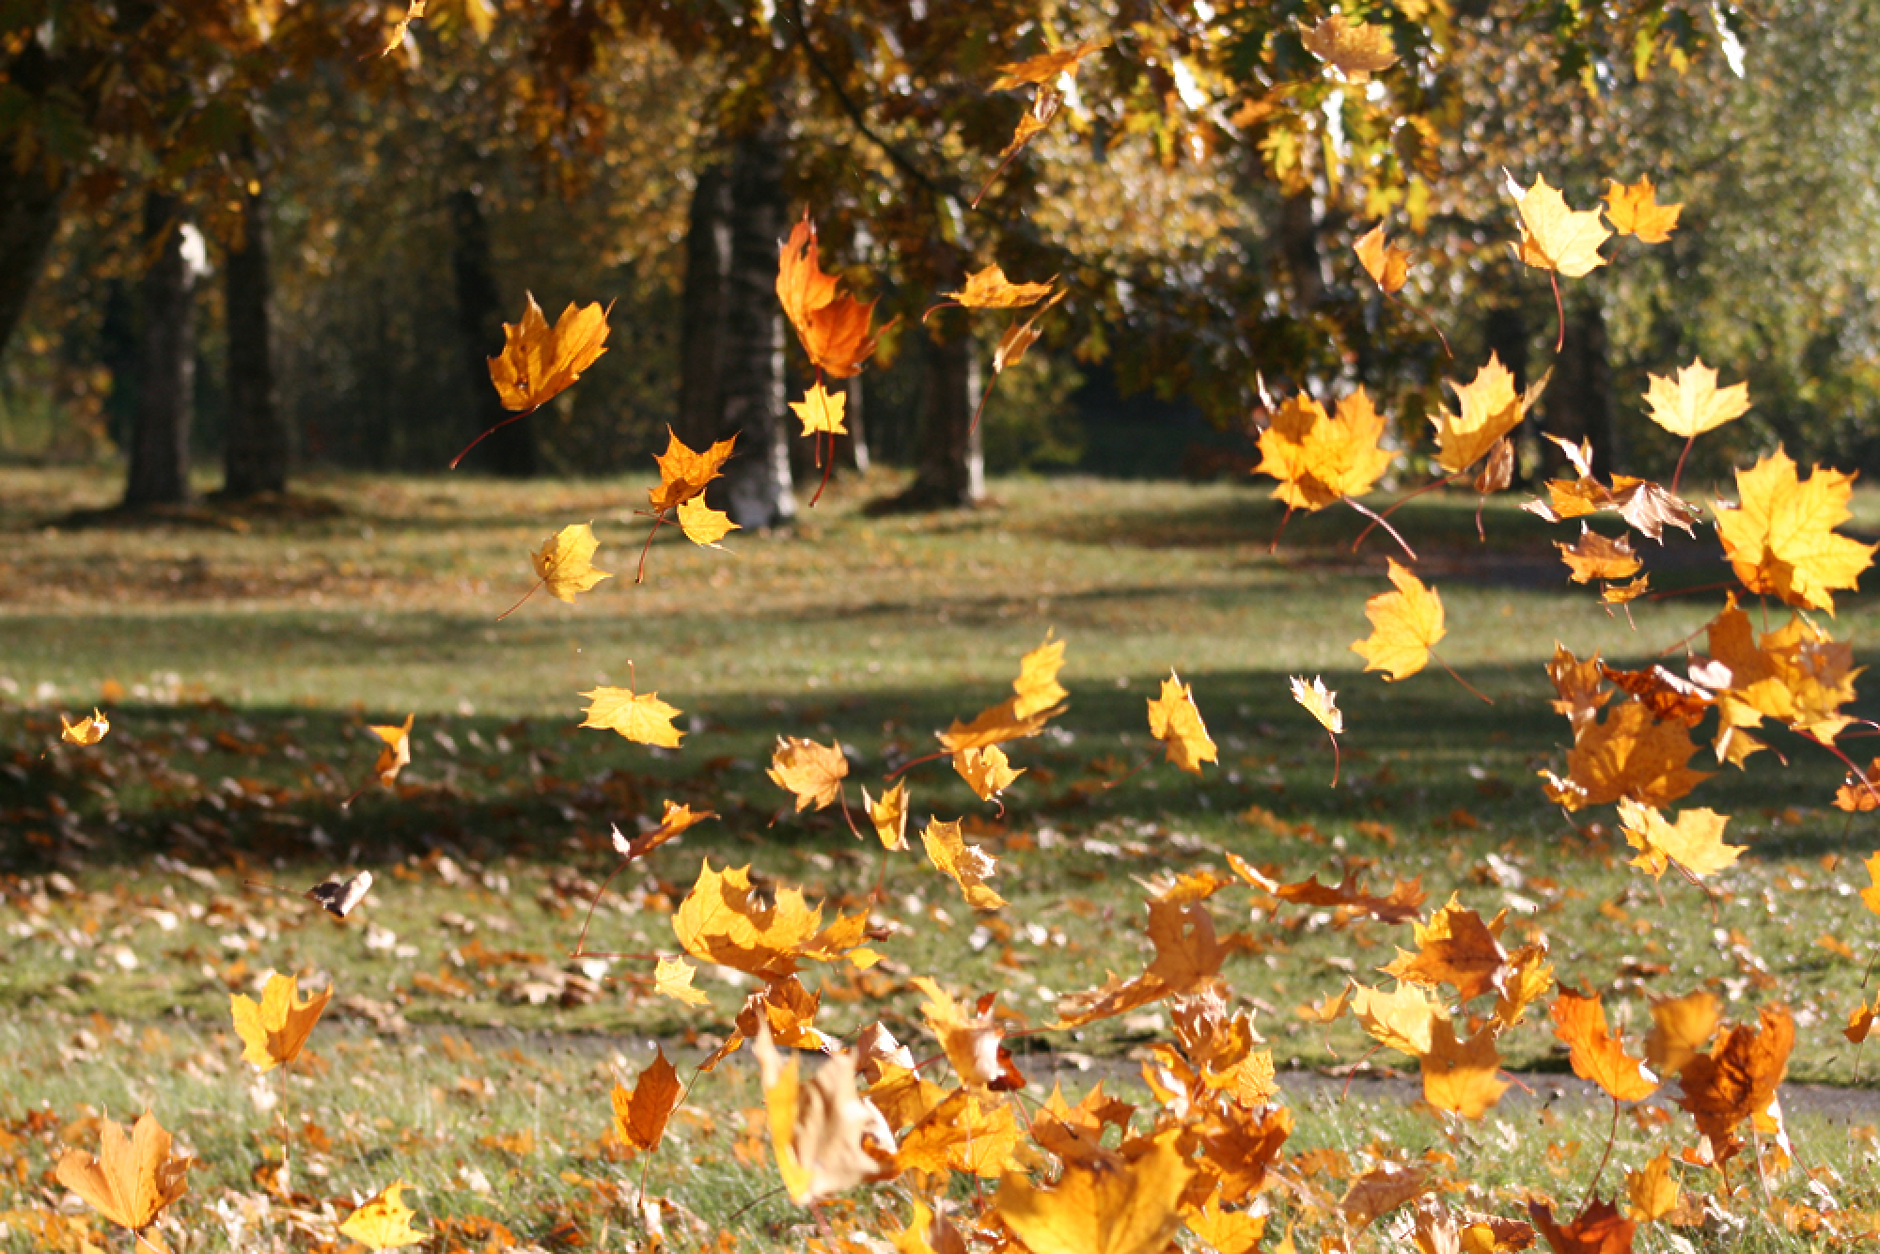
(639, 716)
(396, 755)
(1629, 753)
(1405, 626)
(1634, 210)
(1694, 842)
(1404, 1019)
(1489, 409)
(812, 772)
(1130, 1206)
(1553, 236)
(1320, 702)
(87, 731)
(384, 1221)
(133, 1178)
(1797, 675)
(565, 562)
(1780, 538)
(970, 1041)
(538, 362)
(1226, 1231)
(967, 865)
(1693, 403)
(704, 525)
(683, 472)
(1651, 1190)
(640, 1114)
(990, 289)
(1457, 948)
(1037, 687)
(1681, 1026)
(1046, 66)
(986, 771)
(723, 921)
(1594, 556)
(1319, 458)
(889, 815)
(1176, 722)
(1387, 264)
(274, 1031)
(822, 410)
(1460, 1076)
(672, 977)
(825, 1136)
(1355, 49)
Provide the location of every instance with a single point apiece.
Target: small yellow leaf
(1320, 702)
(1652, 1192)
(1037, 687)
(1555, 237)
(1694, 403)
(274, 1031)
(1355, 49)
(1176, 722)
(822, 410)
(990, 289)
(384, 1222)
(683, 473)
(1635, 211)
(1388, 265)
(673, 978)
(1406, 625)
(967, 865)
(704, 525)
(813, 773)
(986, 771)
(1694, 842)
(889, 815)
(396, 755)
(1489, 409)
(564, 563)
(641, 717)
(87, 731)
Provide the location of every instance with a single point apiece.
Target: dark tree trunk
(511, 451)
(1298, 243)
(159, 451)
(32, 189)
(951, 472)
(257, 455)
(704, 306)
(1579, 397)
(756, 489)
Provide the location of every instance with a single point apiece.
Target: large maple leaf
(1596, 1054)
(1318, 458)
(1694, 842)
(1488, 408)
(538, 361)
(833, 327)
(1405, 626)
(274, 1031)
(827, 1138)
(133, 1178)
(723, 921)
(1554, 236)
(1737, 1078)
(1127, 1208)
(1628, 753)
(1780, 538)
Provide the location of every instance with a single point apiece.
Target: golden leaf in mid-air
(639, 716)
(87, 731)
(833, 327)
(565, 562)
(683, 472)
(822, 410)
(723, 920)
(133, 1178)
(539, 361)
(1405, 626)
(1596, 1054)
(1456, 948)
(1489, 409)
(1681, 1027)
(1320, 702)
(1460, 1076)
(827, 1138)
(672, 977)
(384, 1222)
(704, 525)
(1175, 720)
(1651, 1190)
(1130, 1206)
(1635, 210)
(967, 865)
(274, 1031)
(1404, 1019)
(1320, 458)
(1738, 1078)
(1019, 337)
(990, 289)
(396, 755)
(1693, 403)
(1387, 264)
(1037, 687)
(1555, 237)
(813, 773)
(1694, 842)
(1594, 556)
(640, 1115)
(675, 820)
(889, 815)
(986, 771)
(1780, 538)
(1355, 49)
(1629, 753)
(1046, 66)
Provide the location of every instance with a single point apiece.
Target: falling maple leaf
(1797, 675)
(87, 731)
(1388, 265)
(1319, 459)
(1460, 1076)
(966, 865)
(1553, 236)
(1046, 66)
(640, 1115)
(1780, 538)
(1681, 1026)
(683, 473)
(1629, 753)
(1126, 1208)
(1404, 1019)
(1646, 506)
(1037, 687)
(339, 897)
(274, 1031)
(1356, 50)
(539, 362)
(990, 289)
(1651, 1191)
(1226, 1231)
(1176, 722)
(401, 27)
(889, 815)
(1378, 1192)
(971, 1042)
(565, 562)
(1594, 556)
(704, 525)
(1320, 702)
(1694, 842)
(1634, 210)
(813, 773)
(1457, 948)
(986, 771)
(1018, 338)
(1488, 409)
(133, 1178)
(1693, 403)
(396, 755)
(833, 327)
(1598, 1229)
(675, 820)
(826, 1138)
(1405, 626)
(384, 1221)
(821, 410)
(672, 977)
(1737, 1078)
(723, 921)
(1596, 1054)
(639, 716)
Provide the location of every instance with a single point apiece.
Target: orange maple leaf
(990, 289)
(1651, 1191)
(274, 1031)
(813, 773)
(640, 1115)
(1629, 753)
(1406, 625)
(1634, 210)
(1780, 538)
(833, 327)
(986, 771)
(396, 755)
(1595, 1053)
(1681, 1026)
(1046, 66)
(1737, 1078)
(1319, 459)
(1594, 556)
(1455, 948)
(1460, 1076)
(1387, 264)
(133, 1178)
(1599, 1229)
(538, 362)
(1356, 50)
(86, 731)
(1130, 1207)
(723, 921)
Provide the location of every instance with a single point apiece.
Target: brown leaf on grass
(396, 755)
(640, 1115)
(827, 1139)
(1738, 1078)
(1355, 49)
(1131, 1208)
(639, 716)
(683, 473)
(133, 1178)
(565, 562)
(1405, 626)
(1651, 1192)
(1176, 722)
(833, 327)
(811, 772)
(1634, 210)
(1594, 556)
(966, 865)
(1387, 264)
(1596, 1054)
(1379, 1191)
(87, 731)
(274, 1031)
(1320, 459)
(1626, 754)
(1598, 1229)
(539, 362)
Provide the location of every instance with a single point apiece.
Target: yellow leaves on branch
(538, 361)
(1176, 722)
(813, 773)
(87, 731)
(1634, 210)
(133, 1178)
(1554, 236)
(639, 716)
(565, 562)
(1693, 403)
(1356, 50)
(832, 326)
(274, 1031)
(1319, 459)
(1780, 538)
(384, 1221)
(1406, 625)
(1489, 409)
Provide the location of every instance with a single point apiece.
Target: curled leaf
(538, 362)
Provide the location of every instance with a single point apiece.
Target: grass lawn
(242, 660)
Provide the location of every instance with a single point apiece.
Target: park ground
(242, 658)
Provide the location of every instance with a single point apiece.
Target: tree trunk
(704, 306)
(1579, 397)
(952, 469)
(852, 449)
(256, 458)
(32, 188)
(511, 451)
(159, 451)
(756, 488)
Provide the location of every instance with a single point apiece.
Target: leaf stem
(492, 431)
(1431, 486)
(1679, 472)
(1335, 756)
(658, 520)
(909, 765)
(1273, 546)
(1467, 686)
(518, 605)
(1560, 311)
(828, 460)
(1377, 520)
(1612, 1136)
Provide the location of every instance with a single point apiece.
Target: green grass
(245, 656)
